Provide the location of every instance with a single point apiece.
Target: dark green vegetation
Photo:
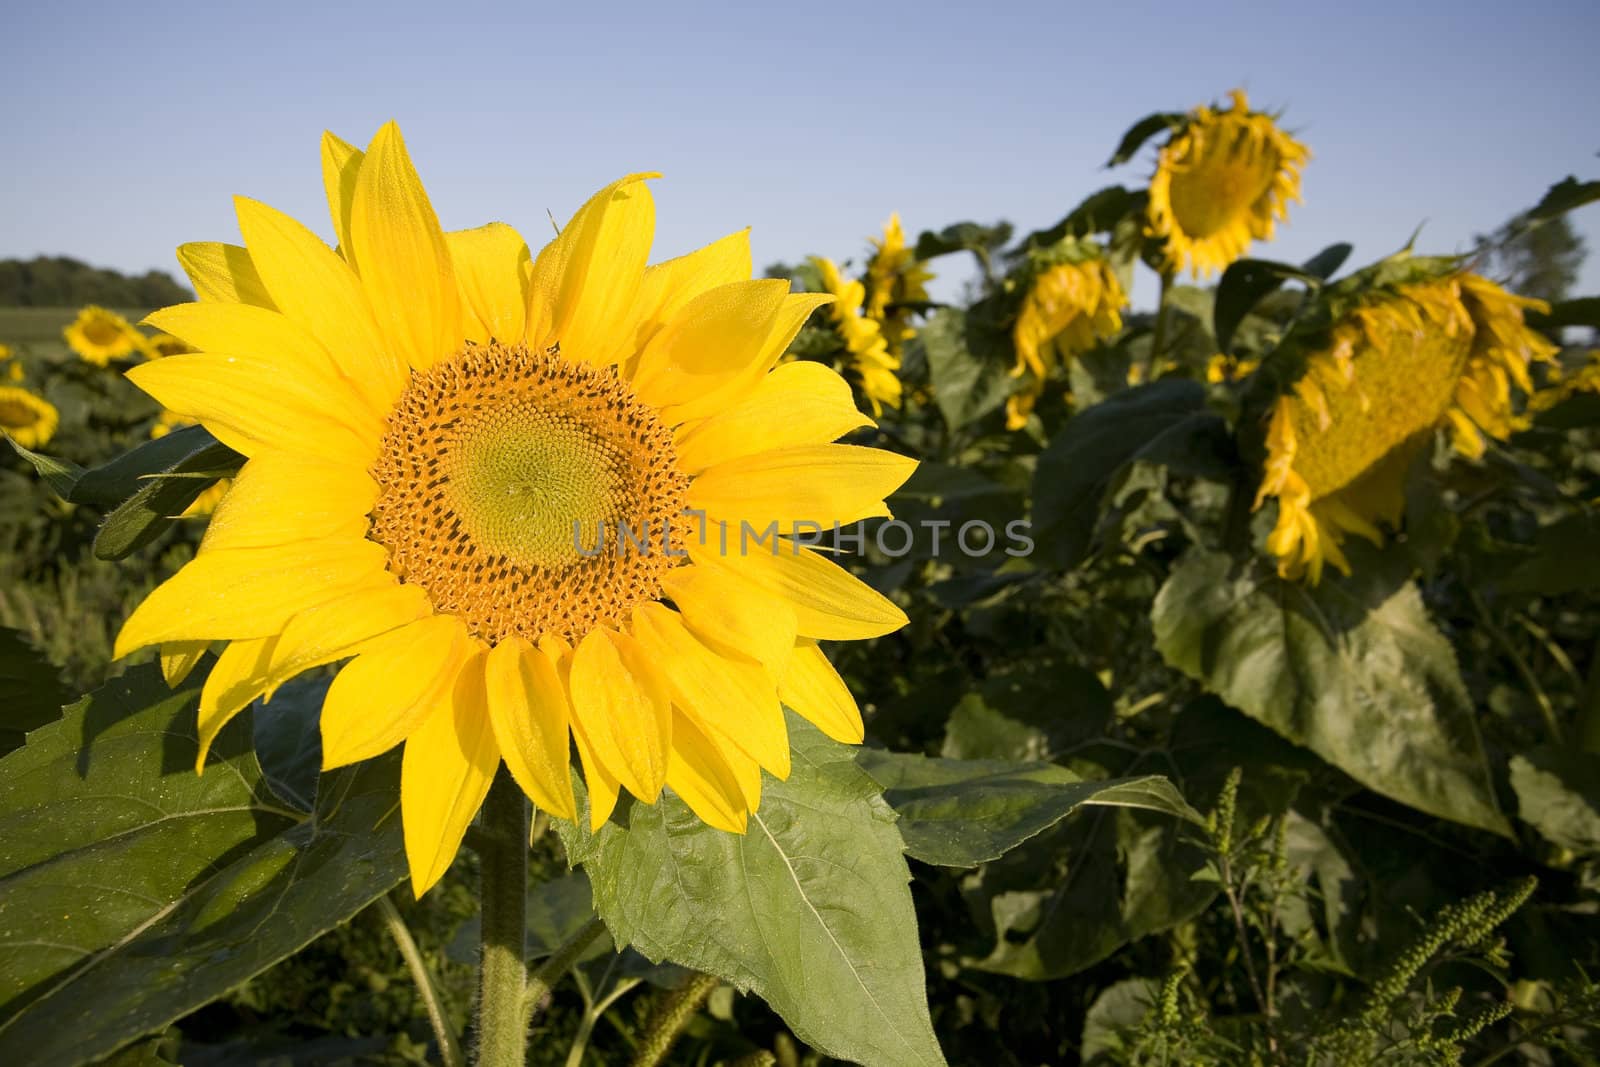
(59, 281)
(1157, 805)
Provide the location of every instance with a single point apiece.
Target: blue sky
(808, 123)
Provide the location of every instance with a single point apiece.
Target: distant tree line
(60, 281)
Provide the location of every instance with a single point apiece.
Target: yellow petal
(446, 771)
(317, 289)
(624, 712)
(491, 264)
(332, 630)
(585, 283)
(809, 483)
(528, 709)
(602, 784)
(278, 498)
(732, 615)
(792, 314)
(799, 403)
(274, 339)
(716, 338)
(814, 689)
(734, 699)
(399, 249)
(386, 692)
(668, 286)
(238, 678)
(178, 658)
(830, 603)
(341, 162)
(233, 594)
(698, 774)
(223, 273)
(252, 406)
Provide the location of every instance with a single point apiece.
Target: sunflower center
(15, 415)
(101, 331)
(1219, 185)
(527, 494)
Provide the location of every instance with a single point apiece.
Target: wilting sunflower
(871, 361)
(440, 430)
(894, 277)
(1560, 386)
(1069, 309)
(30, 420)
(1440, 353)
(1224, 179)
(100, 336)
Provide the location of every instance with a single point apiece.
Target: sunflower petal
(278, 499)
(584, 288)
(238, 678)
(234, 594)
(448, 766)
(179, 658)
(668, 286)
(491, 265)
(223, 273)
(393, 686)
(332, 630)
(341, 162)
(528, 708)
(830, 603)
(400, 252)
(732, 615)
(817, 483)
(792, 314)
(814, 689)
(698, 773)
(799, 403)
(715, 338)
(625, 713)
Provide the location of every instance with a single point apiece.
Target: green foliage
(59, 281)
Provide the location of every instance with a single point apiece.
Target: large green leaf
(157, 498)
(1142, 131)
(967, 364)
(31, 693)
(1558, 794)
(1351, 668)
(133, 891)
(1247, 281)
(1165, 422)
(960, 813)
(810, 908)
(1563, 196)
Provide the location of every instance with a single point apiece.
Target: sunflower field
(438, 648)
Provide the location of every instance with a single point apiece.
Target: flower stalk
(502, 1031)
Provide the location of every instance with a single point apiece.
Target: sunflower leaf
(1352, 669)
(61, 475)
(133, 891)
(810, 908)
(1142, 131)
(967, 365)
(1562, 197)
(1247, 281)
(960, 813)
(31, 693)
(159, 497)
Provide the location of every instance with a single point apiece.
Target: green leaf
(1142, 131)
(810, 908)
(1352, 669)
(1247, 281)
(61, 475)
(111, 484)
(971, 237)
(1562, 197)
(31, 693)
(1563, 559)
(1165, 422)
(960, 813)
(133, 891)
(159, 498)
(1583, 311)
(967, 384)
(1558, 794)
(287, 738)
(556, 910)
(1100, 212)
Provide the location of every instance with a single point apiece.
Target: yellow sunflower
(871, 361)
(10, 364)
(440, 430)
(100, 336)
(1224, 368)
(894, 276)
(1223, 180)
(1070, 308)
(160, 345)
(1440, 353)
(1560, 386)
(30, 420)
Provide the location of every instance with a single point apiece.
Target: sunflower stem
(543, 982)
(502, 1031)
(1159, 341)
(427, 985)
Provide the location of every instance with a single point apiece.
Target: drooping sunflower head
(532, 500)
(27, 418)
(874, 366)
(1072, 305)
(99, 336)
(1399, 363)
(1224, 179)
(894, 277)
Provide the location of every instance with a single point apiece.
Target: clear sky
(128, 126)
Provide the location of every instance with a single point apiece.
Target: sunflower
(1222, 180)
(871, 361)
(1438, 353)
(894, 277)
(1069, 309)
(100, 336)
(451, 446)
(28, 419)
(10, 365)
(160, 345)
(1560, 386)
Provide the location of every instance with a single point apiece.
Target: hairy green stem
(543, 981)
(670, 1017)
(427, 985)
(502, 972)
